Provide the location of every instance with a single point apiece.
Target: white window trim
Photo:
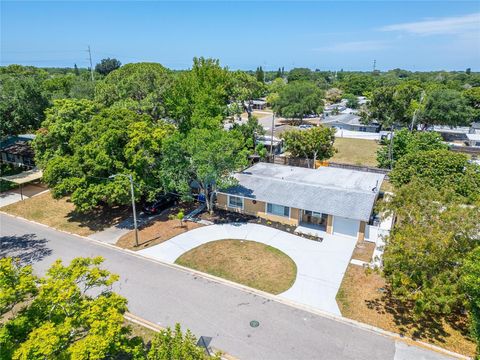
(235, 207)
(289, 210)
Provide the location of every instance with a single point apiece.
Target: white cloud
(449, 25)
(354, 46)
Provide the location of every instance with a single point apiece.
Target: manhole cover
(254, 323)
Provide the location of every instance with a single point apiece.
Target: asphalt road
(166, 295)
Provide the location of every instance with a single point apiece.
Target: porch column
(361, 231)
(330, 224)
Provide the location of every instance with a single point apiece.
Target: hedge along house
(333, 200)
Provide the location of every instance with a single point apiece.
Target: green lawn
(356, 151)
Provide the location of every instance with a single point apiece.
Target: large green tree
(81, 145)
(312, 144)
(439, 168)
(71, 314)
(106, 66)
(297, 99)
(300, 74)
(242, 88)
(445, 107)
(207, 157)
(357, 83)
(22, 102)
(199, 97)
(139, 87)
(406, 142)
(470, 282)
(425, 251)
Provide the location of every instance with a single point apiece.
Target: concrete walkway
(320, 266)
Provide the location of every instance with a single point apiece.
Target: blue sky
(427, 35)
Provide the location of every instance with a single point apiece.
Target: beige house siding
(258, 209)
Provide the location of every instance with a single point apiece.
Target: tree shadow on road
(28, 248)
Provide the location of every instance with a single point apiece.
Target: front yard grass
(60, 214)
(365, 297)
(245, 262)
(356, 151)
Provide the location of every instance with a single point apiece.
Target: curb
(157, 328)
(263, 294)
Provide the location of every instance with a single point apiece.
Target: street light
(129, 176)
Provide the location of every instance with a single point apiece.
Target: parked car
(161, 203)
(305, 126)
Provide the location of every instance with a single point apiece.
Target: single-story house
(349, 122)
(17, 150)
(267, 141)
(474, 139)
(256, 104)
(452, 133)
(337, 201)
(474, 128)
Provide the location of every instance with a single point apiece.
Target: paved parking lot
(320, 265)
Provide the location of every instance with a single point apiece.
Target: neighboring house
(17, 150)
(474, 139)
(448, 133)
(474, 128)
(337, 201)
(266, 140)
(257, 104)
(349, 122)
(332, 108)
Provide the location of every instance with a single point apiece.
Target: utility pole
(415, 113)
(374, 65)
(91, 65)
(271, 140)
(132, 192)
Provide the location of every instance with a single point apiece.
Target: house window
(10, 157)
(235, 202)
(279, 210)
(313, 214)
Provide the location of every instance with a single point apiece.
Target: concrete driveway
(320, 266)
(29, 190)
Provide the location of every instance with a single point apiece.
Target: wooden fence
(301, 162)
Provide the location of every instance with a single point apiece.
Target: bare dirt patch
(246, 262)
(161, 229)
(365, 297)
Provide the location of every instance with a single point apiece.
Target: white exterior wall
(345, 227)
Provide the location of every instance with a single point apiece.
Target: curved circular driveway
(320, 266)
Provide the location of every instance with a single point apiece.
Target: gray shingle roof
(339, 192)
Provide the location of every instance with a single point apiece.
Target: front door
(314, 218)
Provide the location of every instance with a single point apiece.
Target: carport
(23, 178)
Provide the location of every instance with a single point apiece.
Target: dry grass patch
(245, 262)
(60, 214)
(363, 251)
(365, 297)
(161, 229)
(356, 151)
